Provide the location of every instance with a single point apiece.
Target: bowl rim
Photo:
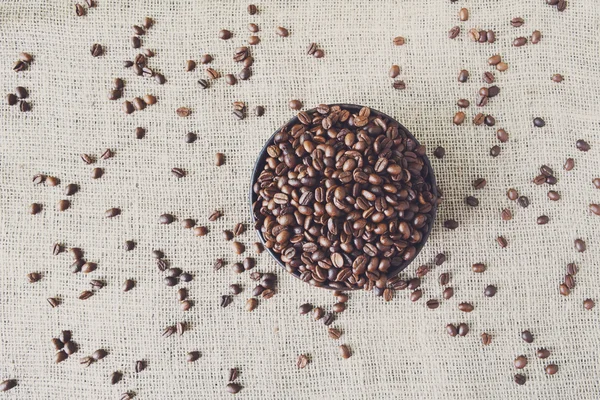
(354, 108)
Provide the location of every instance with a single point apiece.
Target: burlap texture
(400, 349)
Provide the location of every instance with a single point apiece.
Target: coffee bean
(520, 41)
(224, 34)
(439, 152)
(440, 258)
(479, 183)
(520, 362)
(463, 14)
(564, 289)
(233, 388)
(238, 248)
(97, 173)
(561, 5)
(582, 145)
(178, 172)
(463, 103)
(466, 307)
(416, 295)
(192, 356)
(88, 267)
(11, 99)
(159, 78)
(180, 327)
(463, 329)
(489, 120)
(253, 28)
(432, 304)
(538, 122)
(166, 219)
(472, 201)
(569, 281)
(478, 268)
(501, 242)
(543, 353)
(494, 60)
(63, 205)
(520, 379)
(527, 336)
(206, 59)
(341, 307)
(448, 293)
(551, 369)
(281, 31)
(35, 208)
(190, 65)
(517, 22)
(572, 269)
(333, 333)
(183, 112)
(596, 183)
(96, 50)
(536, 36)
(463, 76)
(451, 330)
(580, 245)
(501, 135)
(128, 285)
(226, 300)
(112, 212)
(295, 104)
(21, 93)
(60, 356)
(450, 224)
(399, 85)
(399, 41)
(479, 119)
(588, 304)
(252, 9)
(79, 10)
(24, 106)
(474, 35)
(394, 71)
(33, 277)
(486, 339)
(245, 74)
(345, 351)
(454, 32)
(251, 304)
(305, 308)
(502, 66)
(523, 201)
(115, 377)
(459, 118)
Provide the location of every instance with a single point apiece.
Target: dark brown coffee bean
(463, 103)
(192, 356)
(450, 224)
(295, 104)
(488, 77)
(97, 50)
(479, 119)
(472, 201)
(564, 289)
(502, 135)
(79, 10)
(451, 330)
(86, 294)
(478, 268)
(520, 379)
(536, 36)
(165, 219)
(440, 258)
(551, 369)
(345, 352)
(569, 281)
(527, 336)
(432, 304)
(215, 216)
(60, 356)
(561, 5)
(394, 71)
(459, 118)
(224, 34)
(543, 220)
(448, 293)
(479, 183)
(543, 353)
(340, 307)
(523, 201)
(538, 122)
(399, 85)
(588, 304)
(183, 112)
(399, 41)
(178, 172)
(281, 31)
(439, 152)
(226, 300)
(489, 120)
(35, 208)
(463, 329)
(333, 333)
(159, 78)
(463, 76)
(582, 145)
(501, 242)
(454, 32)
(517, 22)
(318, 313)
(494, 60)
(11, 99)
(251, 304)
(520, 41)
(305, 308)
(466, 307)
(416, 295)
(24, 106)
(580, 245)
(444, 278)
(233, 388)
(252, 10)
(112, 212)
(486, 339)
(63, 205)
(238, 248)
(230, 79)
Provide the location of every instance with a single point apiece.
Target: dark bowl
(354, 109)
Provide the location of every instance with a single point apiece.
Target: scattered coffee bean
(582, 145)
(302, 361)
(463, 76)
(486, 339)
(281, 31)
(224, 34)
(527, 336)
(60, 356)
(536, 36)
(517, 22)
(450, 224)
(472, 201)
(523, 201)
(478, 268)
(538, 122)
(183, 112)
(580, 245)
(520, 379)
(466, 307)
(564, 289)
(448, 293)
(394, 71)
(543, 220)
(588, 304)
(345, 351)
(459, 118)
(178, 172)
(399, 85)
(251, 304)
(399, 41)
(432, 304)
(252, 10)
(116, 377)
(295, 104)
(551, 369)
(97, 50)
(165, 219)
(495, 151)
(451, 330)
(35, 208)
(454, 32)
(520, 41)
(463, 329)
(439, 152)
(501, 242)
(192, 356)
(233, 388)
(238, 248)
(543, 353)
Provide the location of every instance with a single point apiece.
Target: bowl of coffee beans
(343, 197)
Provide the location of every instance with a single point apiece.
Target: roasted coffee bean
(502, 66)
(252, 10)
(281, 31)
(238, 248)
(523, 201)
(439, 152)
(478, 268)
(21, 92)
(183, 112)
(33, 277)
(399, 41)
(588, 304)
(564, 289)
(450, 224)
(112, 212)
(226, 300)
(86, 294)
(463, 76)
(339, 307)
(543, 353)
(188, 223)
(295, 104)
(178, 172)
(97, 173)
(572, 269)
(253, 27)
(416, 295)
(569, 281)
(488, 77)
(345, 351)
(454, 32)
(99, 354)
(11, 99)
(475, 36)
(520, 41)
(200, 231)
(489, 120)
(580, 245)
(596, 183)
(557, 78)
(465, 307)
(448, 293)
(459, 118)
(230, 79)
(24, 106)
(128, 285)
(463, 329)
(432, 304)
(479, 183)
(551, 369)
(463, 14)
(472, 201)
(159, 78)
(444, 278)
(224, 34)
(165, 219)
(527, 336)
(192, 356)
(478, 119)
(116, 377)
(463, 103)
(520, 379)
(251, 304)
(245, 74)
(190, 65)
(494, 60)
(63, 205)
(97, 50)
(582, 145)
(486, 339)
(517, 22)
(318, 313)
(60, 356)
(440, 258)
(206, 59)
(186, 305)
(394, 71)
(97, 284)
(538, 122)
(79, 10)
(543, 220)
(501, 242)
(20, 66)
(506, 214)
(536, 36)
(203, 84)
(35, 208)
(561, 5)
(399, 85)
(502, 136)
(305, 308)
(233, 388)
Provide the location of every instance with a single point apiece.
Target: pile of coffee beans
(64, 346)
(345, 196)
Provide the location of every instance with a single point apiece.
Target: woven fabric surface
(400, 349)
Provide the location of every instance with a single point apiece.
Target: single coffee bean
(190, 65)
(478, 268)
(472, 201)
(463, 329)
(63, 205)
(517, 22)
(35, 208)
(543, 353)
(501, 242)
(582, 145)
(230, 79)
(192, 356)
(543, 220)
(448, 293)
(501, 135)
(551, 369)
(527, 336)
(233, 388)
(538, 122)
(345, 351)
(520, 41)
(488, 77)
(333, 333)
(96, 50)
(251, 304)
(520, 379)
(60, 356)
(564, 289)
(454, 32)
(238, 248)
(580, 245)
(479, 119)
(588, 304)
(11, 99)
(226, 300)
(536, 36)
(459, 118)
(128, 285)
(569, 281)
(502, 66)
(572, 269)
(490, 291)
(463, 103)
(281, 31)
(463, 14)
(112, 212)
(439, 152)
(252, 10)
(596, 183)
(463, 76)
(166, 219)
(450, 224)
(33, 277)
(432, 304)
(523, 201)
(479, 183)
(394, 71)
(451, 330)
(178, 172)
(466, 307)
(486, 339)
(183, 112)
(399, 41)
(188, 223)
(225, 34)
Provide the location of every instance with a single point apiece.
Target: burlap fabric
(400, 349)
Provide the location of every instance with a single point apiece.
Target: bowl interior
(354, 109)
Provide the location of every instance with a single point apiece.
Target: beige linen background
(400, 349)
